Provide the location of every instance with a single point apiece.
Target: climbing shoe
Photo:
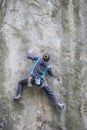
(61, 106)
(17, 98)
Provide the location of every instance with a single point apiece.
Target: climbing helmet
(46, 56)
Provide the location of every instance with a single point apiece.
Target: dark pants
(47, 89)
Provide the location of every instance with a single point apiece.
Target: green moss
(1, 15)
(65, 3)
(4, 110)
(54, 13)
(76, 12)
(65, 17)
(3, 53)
(73, 120)
(3, 11)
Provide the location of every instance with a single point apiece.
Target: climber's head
(46, 56)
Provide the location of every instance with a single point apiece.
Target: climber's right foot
(62, 106)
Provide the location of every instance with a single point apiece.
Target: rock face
(54, 26)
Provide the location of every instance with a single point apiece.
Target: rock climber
(37, 77)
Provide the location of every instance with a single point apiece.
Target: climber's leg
(21, 84)
(51, 94)
(53, 97)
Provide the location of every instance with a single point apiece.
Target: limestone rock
(57, 27)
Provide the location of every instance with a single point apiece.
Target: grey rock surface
(57, 27)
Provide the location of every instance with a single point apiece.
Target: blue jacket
(40, 66)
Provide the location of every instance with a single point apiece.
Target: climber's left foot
(17, 98)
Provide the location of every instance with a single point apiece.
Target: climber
(37, 77)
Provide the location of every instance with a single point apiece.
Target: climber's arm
(50, 72)
(32, 57)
